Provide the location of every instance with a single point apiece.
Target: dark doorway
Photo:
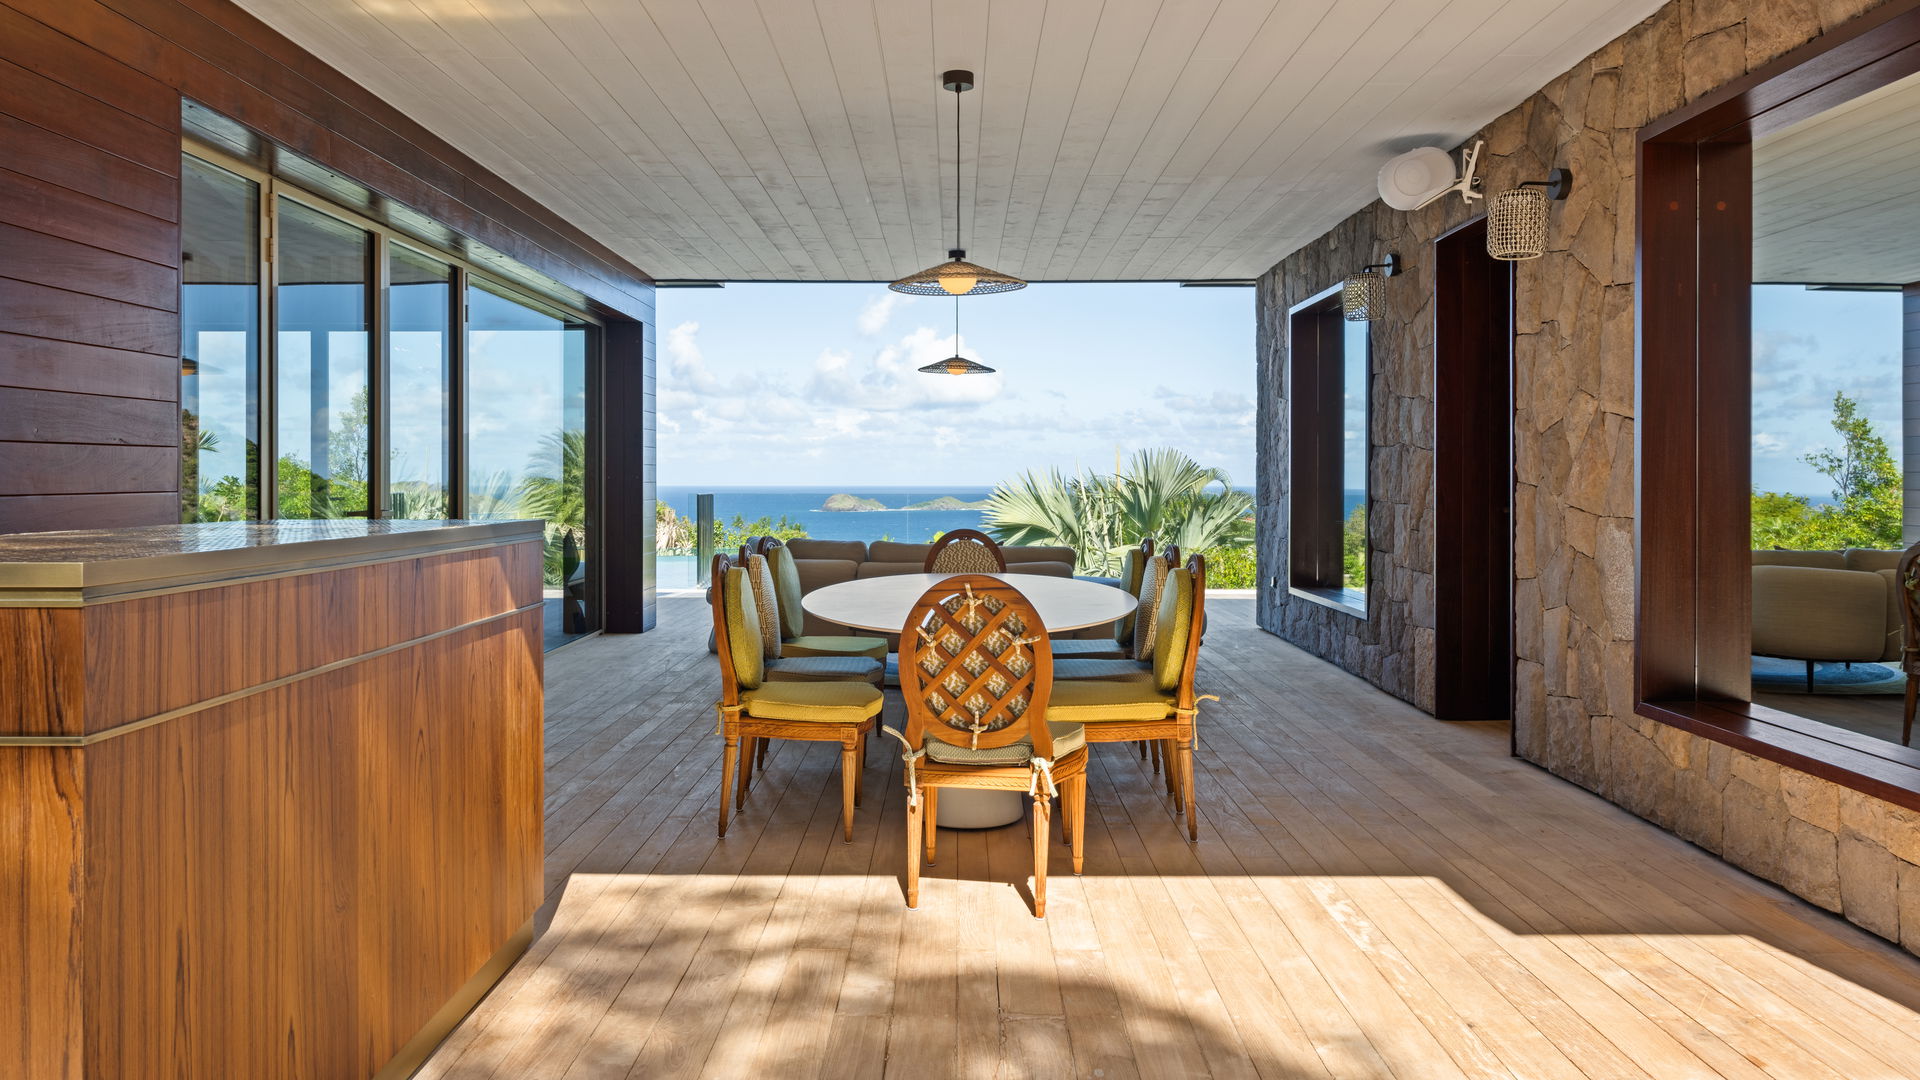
(1473, 478)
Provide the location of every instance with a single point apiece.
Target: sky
(814, 385)
(1807, 346)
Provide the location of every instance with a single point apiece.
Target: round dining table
(882, 604)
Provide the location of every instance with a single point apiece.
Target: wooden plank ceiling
(1836, 197)
(794, 141)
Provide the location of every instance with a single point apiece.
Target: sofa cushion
(893, 551)
(1037, 553)
(1044, 569)
(1809, 613)
(1824, 560)
(888, 569)
(1872, 560)
(850, 550)
(819, 573)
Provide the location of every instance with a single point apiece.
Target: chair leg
(1142, 744)
(930, 798)
(1077, 796)
(859, 761)
(760, 753)
(1809, 676)
(1042, 812)
(1186, 789)
(727, 754)
(1173, 780)
(1153, 750)
(913, 853)
(849, 788)
(1913, 695)
(747, 748)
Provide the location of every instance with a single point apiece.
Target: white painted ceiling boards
(808, 140)
(1836, 197)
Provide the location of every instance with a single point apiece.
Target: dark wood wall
(90, 101)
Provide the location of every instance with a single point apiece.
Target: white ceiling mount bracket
(1418, 178)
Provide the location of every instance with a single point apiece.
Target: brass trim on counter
(92, 737)
(81, 582)
(418, 1049)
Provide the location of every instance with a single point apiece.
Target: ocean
(803, 505)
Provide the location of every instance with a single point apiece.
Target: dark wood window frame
(1694, 391)
(1316, 356)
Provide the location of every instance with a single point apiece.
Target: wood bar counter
(270, 794)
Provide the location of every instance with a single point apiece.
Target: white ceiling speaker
(1418, 177)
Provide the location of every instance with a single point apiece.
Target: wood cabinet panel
(40, 912)
(43, 671)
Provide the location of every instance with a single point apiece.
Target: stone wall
(1573, 496)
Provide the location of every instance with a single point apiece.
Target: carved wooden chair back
(965, 551)
(975, 668)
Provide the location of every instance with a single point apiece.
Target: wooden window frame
(1693, 462)
(1316, 354)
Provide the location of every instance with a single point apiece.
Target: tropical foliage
(1161, 493)
(1866, 507)
(1353, 548)
(561, 500)
(677, 535)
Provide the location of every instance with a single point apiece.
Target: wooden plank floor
(1375, 894)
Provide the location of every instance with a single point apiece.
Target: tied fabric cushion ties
(910, 756)
(1042, 774)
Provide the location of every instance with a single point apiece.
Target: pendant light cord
(956, 174)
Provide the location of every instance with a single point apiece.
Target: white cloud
(1767, 444)
(879, 311)
(890, 380)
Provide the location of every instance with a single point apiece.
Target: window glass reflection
(322, 382)
(420, 354)
(219, 344)
(527, 437)
(1354, 444)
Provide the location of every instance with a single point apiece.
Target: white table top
(883, 603)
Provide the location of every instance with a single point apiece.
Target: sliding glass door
(219, 344)
(419, 383)
(526, 437)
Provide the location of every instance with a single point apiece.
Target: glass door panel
(322, 334)
(526, 432)
(419, 377)
(219, 344)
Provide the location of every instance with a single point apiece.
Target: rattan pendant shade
(955, 365)
(957, 276)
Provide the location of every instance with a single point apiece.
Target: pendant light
(957, 276)
(956, 364)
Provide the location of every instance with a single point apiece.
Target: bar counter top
(73, 569)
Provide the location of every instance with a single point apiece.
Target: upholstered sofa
(1827, 606)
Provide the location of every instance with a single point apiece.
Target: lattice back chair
(1161, 703)
(966, 551)
(976, 672)
(1908, 578)
(755, 705)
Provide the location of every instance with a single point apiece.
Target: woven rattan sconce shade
(1517, 218)
(1363, 294)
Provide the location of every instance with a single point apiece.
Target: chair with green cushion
(976, 672)
(794, 639)
(1133, 567)
(755, 707)
(1160, 709)
(784, 668)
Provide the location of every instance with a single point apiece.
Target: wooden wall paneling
(45, 207)
(627, 503)
(41, 364)
(75, 469)
(41, 311)
(45, 155)
(52, 513)
(78, 267)
(48, 416)
(1473, 478)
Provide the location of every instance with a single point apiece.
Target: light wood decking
(1375, 893)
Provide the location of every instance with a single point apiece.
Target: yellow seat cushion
(817, 668)
(874, 648)
(820, 702)
(1092, 701)
(1066, 739)
(1087, 649)
(1115, 670)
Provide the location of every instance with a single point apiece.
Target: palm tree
(561, 500)
(1161, 493)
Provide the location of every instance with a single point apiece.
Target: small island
(851, 503)
(948, 502)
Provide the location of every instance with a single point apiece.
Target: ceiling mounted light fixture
(1417, 178)
(957, 276)
(1517, 218)
(956, 364)
(1360, 296)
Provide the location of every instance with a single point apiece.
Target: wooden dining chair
(965, 551)
(1133, 571)
(794, 639)
(976, 673)
(1160, 706)
(754, 707)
